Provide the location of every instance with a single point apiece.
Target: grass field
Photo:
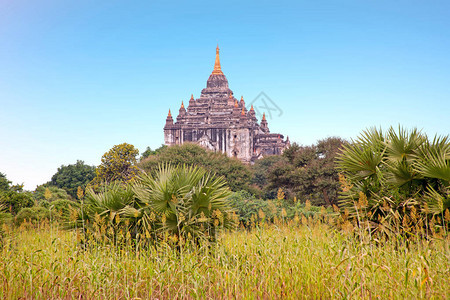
(271, 261)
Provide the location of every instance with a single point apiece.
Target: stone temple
(219, 122)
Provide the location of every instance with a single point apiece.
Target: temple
(219, 122)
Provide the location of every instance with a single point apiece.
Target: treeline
(392, 181)
(301, 173)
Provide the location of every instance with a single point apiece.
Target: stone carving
(219, 122)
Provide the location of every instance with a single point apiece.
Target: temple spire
(217, 70)
(169, 115)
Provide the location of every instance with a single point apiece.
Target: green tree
(261, 169)
(15, 198)
(237, 174)
(70, 177)
(4, 182)
(308, 172)
(118, 164)
(148, 152)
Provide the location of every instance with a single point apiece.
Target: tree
(15, 198)
(308, 172)
(149, 152)
(118, 164)
(261, 169)
(237, 174)
(4, 182)
(397, 181)
(70, 177)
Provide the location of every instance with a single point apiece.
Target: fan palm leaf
(434, 159)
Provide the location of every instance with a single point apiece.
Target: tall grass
(299, 259)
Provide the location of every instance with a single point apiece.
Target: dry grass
(291, 261)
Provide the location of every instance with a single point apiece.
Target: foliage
(32, 214)
(177, 201)
(50, 193)
(118, 164)
(261, 169)
(148, 152)
(252, 210)
(396, 181)
(4, 182)
(15, 198)
(235, 172)
(63, 208)
(308, 172)
(70, 177)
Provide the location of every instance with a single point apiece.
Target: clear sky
(78, 77)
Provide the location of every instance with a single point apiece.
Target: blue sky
(78, 77)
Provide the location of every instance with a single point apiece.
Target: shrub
(396, 182)
(182, 203)
(251, 209)
(32, 214)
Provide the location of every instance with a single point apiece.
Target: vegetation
(178, 201)
(397, 182)
(118, 164)
(50, 193)
(171, 232)
(70, 177)
(237, 175)
(148, 152)
(308, 172)
(295, 260)
(13, 197)
(251, 209)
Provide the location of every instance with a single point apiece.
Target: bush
(251, 209)
(396, 182)
(32, 214)
(61, 209)
(182, 202)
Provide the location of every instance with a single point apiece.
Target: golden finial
(192, 96)
(231, 96)
(169, 115)
(242, 98)
(182, 105)
(235, 104)
(243, 112)
(251, 108)
(264, 116)
(217, 70)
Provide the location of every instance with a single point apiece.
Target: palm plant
(181, 201)
(98, 216)
(397, 180)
